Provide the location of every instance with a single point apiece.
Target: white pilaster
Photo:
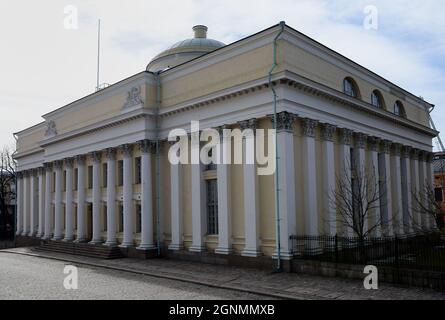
(34, 208)
(329, 183)
(377, 215)
(224, 200)
(251, 210)
(309, 176)
(111, 197)
(58, 202)
(19, 218)
(48, 200)
(397, 195)
(386, 201)
(41, 182)
(69, 229)
(198, 199)
(81, 225)
(147, 235)
(96, 239)
(26, 204)
(406, 189)
(128, 196)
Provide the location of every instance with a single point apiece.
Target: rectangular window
(212, 207)
(137, 170)
(76, 177)
(104, 175)
(54, 182)
(138, 218)
(438, 193)
(75, 217)
(64, 180)
(90, 177)
(120, 176)
(121, 218)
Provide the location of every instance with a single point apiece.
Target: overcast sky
(44, 66)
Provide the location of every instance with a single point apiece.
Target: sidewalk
(282, 285)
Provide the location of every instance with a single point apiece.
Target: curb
(261, 292)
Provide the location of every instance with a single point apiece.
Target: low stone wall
(7, 244)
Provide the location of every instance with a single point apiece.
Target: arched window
(399, 109)
(377, 99)
(350, 88)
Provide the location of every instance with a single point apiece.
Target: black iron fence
(424, 252)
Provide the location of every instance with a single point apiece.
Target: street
(24, 277)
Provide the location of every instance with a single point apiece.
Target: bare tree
(357, 197)
(7, 191)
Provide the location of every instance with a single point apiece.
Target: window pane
(104, 175)
(212, 207)
(90, 177)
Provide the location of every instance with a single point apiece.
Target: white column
(377, 216)
(198, 199)
(69, 229)
(397, 195)
(224, 200)
(345, 136)
(360, 167)
(111, 197)
(176, 206)
(58, 202)
(286, 183)
(423, 189)
(329, 183)
(26, 204)
(48, 200)
(415, 188)
(386, 176)
(96, 238)
(251, 209)
(128, 196)
(147, 235)
(309, 176)
(19, 218)
(81, 226)
(33, 204)
(41, 202)
(405, 164)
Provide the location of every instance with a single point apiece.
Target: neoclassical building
(97, 169)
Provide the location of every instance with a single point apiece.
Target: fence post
(336, 248)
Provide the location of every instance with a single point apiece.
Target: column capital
(373, 143)
(406, 150)
(111, 153)
(58, 164)
(397, 149)
(308, 127)
(327, 132)
(345, 136)
(429, 156)
(48, 166)
(147, 146)
(127, 150)
(41, 170)
(386, 146)
(69, 163)
(97, 156)
(33, 172)
(285, 121)
(249, 124)
(360, 140)
(81, 160)
(19, 174)
(415, 153)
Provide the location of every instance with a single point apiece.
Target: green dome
(185, 50)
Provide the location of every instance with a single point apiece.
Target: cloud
(45, 66)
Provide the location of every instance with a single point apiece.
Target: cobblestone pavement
(31, 278)
(282, 285)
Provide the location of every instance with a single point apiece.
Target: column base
(39, 235)
(126, 245)
(225, 251)
(80, 240)
(68, 239)
(58, 238)
(284, 255)
(147, 247)
(176, 247)
(254, 253)
(95, 242)
(112, 243)
(197, 248)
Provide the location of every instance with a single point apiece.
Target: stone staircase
(81, 249)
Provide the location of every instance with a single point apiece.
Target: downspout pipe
(277, 179)
(158, 162)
